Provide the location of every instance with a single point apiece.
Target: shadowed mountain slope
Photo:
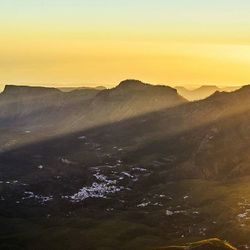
(205, 139)
(36, 107)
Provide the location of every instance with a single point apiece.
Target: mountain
(202, 92)
(152, 126)
(132, 98)
(136, 166)
(189, 140)
(36, 107)
(19, 103)
(199, 93)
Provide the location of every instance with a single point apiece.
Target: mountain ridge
(203, 91)
(136, 168)
(130, 98)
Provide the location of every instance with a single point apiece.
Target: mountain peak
(24, 90)
(132, 83)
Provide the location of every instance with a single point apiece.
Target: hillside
(211, 244)
(39, 107)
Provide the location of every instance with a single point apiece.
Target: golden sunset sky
(101, 42)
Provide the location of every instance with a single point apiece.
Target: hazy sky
(84, 42)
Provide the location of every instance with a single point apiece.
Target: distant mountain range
(154, 123)
(69, 89)
(34, 107)
(202, 92)
(136, 166)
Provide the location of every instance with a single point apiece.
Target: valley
(133, 167)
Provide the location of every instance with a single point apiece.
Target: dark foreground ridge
(210, 244)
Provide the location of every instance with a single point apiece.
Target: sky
(101, 42)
